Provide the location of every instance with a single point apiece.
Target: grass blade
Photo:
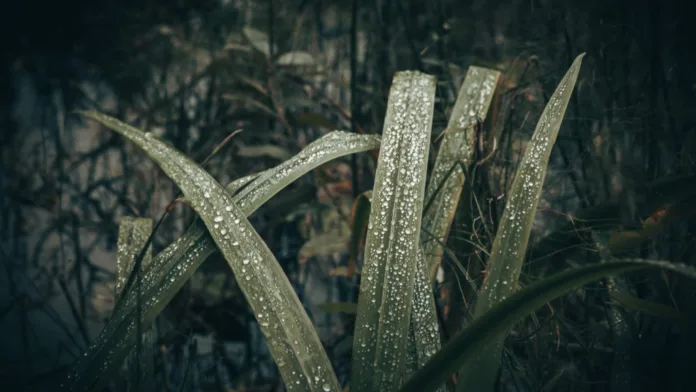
(384, 305)
(463, 348)
(173, 266)
(424, 323)
(510, 244)
(133, 234)
(424, 333)
(456, 151)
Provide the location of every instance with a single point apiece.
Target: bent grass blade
(173, 266)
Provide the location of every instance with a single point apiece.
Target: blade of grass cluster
(455, 152)
(290, 335)
(386, 288)
(510, 244)
(172, 267)
(465, 346)
(133, 234)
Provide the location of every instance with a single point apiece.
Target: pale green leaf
(297, 58)
(386, 288)
(133, 234)
(510, 244)
(424, 332)
(258, 39)
(424, 324)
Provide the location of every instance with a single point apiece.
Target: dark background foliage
(622, 169)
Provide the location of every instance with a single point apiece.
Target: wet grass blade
(386, 289)
(133, 235)
(463, 348)
(424, 333)
(455, 152)
(173, 266)
(425, 336)
(510, 244)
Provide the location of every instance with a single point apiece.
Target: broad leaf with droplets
(455, 152)
(386, 288)
(463, 349)
(173, 266)
(511, 240)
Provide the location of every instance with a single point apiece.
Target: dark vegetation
(622, 171)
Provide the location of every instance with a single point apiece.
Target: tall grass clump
(397, 342)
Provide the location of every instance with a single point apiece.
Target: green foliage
(510, 245)
(133, 235)
(471, 343)
(391, 247)
(397, 336)
(172, 267)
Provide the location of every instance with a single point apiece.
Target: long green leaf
(133, 234)
(455, 152)
(510, 244)
(384, 305)
(464, 347)
(173, 266)
(426, 329)
(424, 333)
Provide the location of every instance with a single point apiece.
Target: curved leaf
(510, 244)
(258, 39)
(386, 288)
(290, 335)
(174, 265)
(467, 345)
(297, 58)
